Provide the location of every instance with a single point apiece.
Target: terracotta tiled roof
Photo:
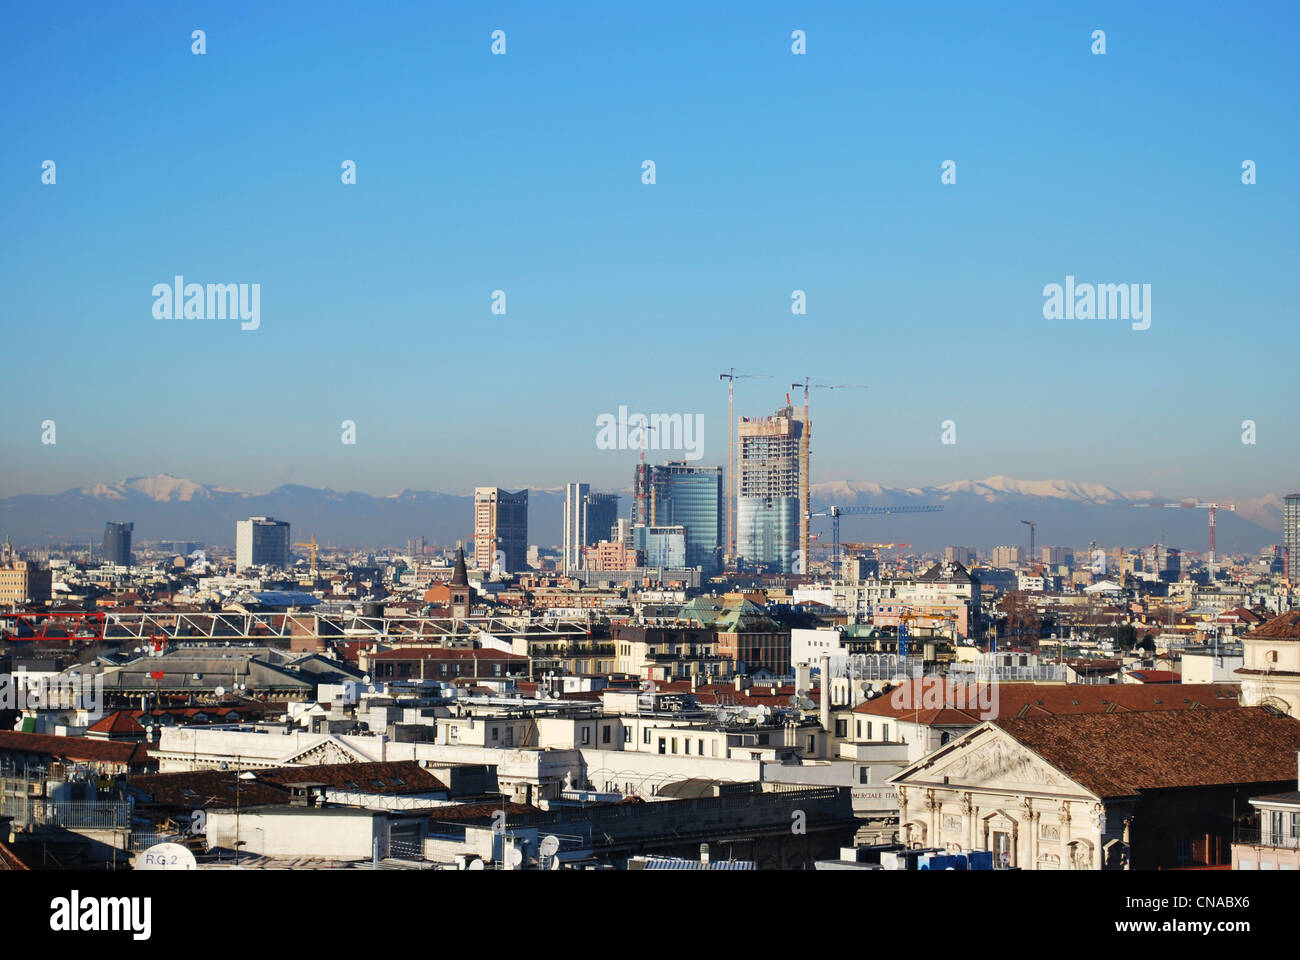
(960, 704)
(1284, 627)
(202, 788)
(1120, 754)
(10, 860)
(74, 748)
(118, 723)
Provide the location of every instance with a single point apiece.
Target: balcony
(1254, 837)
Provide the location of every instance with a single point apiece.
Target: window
(663, 745)
(864, 775)
(627, 734)
(687, 745)
(868, 729)
(859, 730)
(1275, 825)
(586, 735)
(841, 729)
(701, 746)
(1295, 825)
(884, 731)
(715, 748)
(604, 734)
(812, 744)
(674, 744)
(647, 737)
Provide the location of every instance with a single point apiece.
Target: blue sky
(522, 172)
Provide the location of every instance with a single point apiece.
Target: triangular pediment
(990, 758)
(326, 751)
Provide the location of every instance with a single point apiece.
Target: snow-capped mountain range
(979, 513)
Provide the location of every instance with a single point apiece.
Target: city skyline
(776, 174)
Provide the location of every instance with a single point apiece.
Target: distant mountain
(979, 513)
(987, 513)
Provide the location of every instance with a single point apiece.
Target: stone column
(1065, 833)
(968, 811)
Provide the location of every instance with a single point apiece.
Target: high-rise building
(262, 542)
(662, 546)
(575, 528)
(679, 494)
(963, 555)
(500, 525)
(117, 543)
(769, 489)
(1291, 536)
(1006, 557)
(415, 547)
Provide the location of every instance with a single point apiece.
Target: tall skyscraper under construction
(769, 489)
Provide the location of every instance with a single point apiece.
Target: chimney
(802, 677)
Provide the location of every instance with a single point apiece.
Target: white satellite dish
(165, 856)
(475, 865)
(514, 856)
(219, 691)
(549, 847)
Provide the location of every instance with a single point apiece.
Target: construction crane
(1033, 526)
(805, 455)
(312, 547)
(643, 480)
(731, 376)
(836, 512)
(1212, 506)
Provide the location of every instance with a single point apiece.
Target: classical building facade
(1138, 790)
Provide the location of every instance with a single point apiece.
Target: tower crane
(312, 547)
(1212, 506)
(805, 455)
(836, 512)
(731, 376)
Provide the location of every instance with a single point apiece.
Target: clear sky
(523, 173)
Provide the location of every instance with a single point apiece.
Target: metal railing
(1254, 837)
(36, 811)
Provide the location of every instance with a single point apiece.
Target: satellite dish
(219, 691)
(475, 865)
(366, 678)
(514, 856)
(549, 847)
(166, 856)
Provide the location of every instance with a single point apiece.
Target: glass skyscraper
(117, 543)
(683, 495)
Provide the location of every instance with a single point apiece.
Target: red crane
(1212, 506)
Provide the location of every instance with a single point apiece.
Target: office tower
(500, 524)
(117, 543)
(679, 494)
(601, 511)
(415, 547)
(1006, 557)
(662, 546)
(575, 524)
(1291, 536)
(262, 542)
(769, 489)
(963, 555)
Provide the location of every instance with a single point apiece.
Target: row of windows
(666, 742)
